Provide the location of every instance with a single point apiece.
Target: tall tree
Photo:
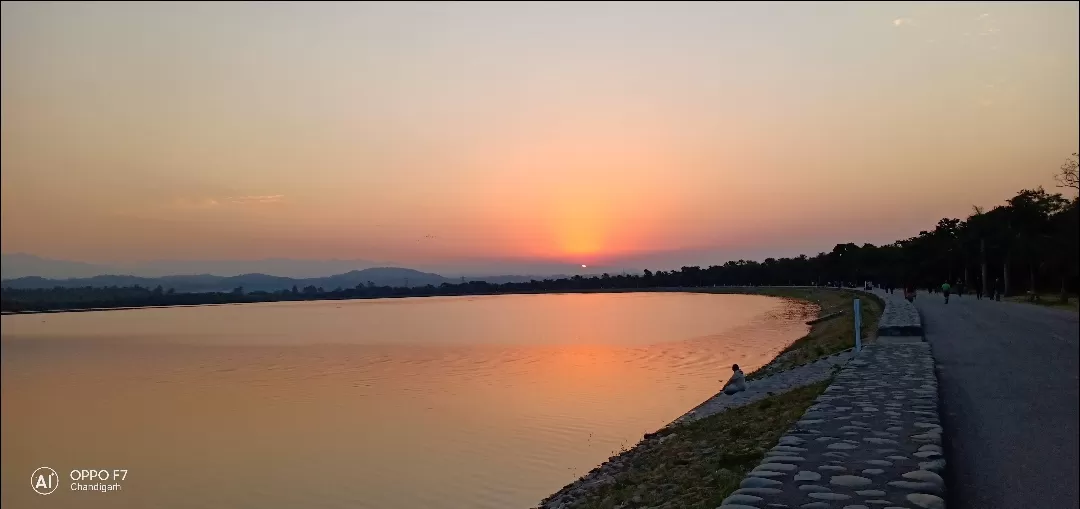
(1030, 219)
(1067, 174)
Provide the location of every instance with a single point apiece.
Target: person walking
(978, 290)
(959, 288)
(997, 290)
(945, 288)
(909, 291)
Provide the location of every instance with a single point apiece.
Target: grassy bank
(825, 338)
(1050, 300)
(695, 465)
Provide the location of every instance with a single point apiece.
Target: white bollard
(858, 327)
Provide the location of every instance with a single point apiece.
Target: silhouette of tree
(1067, 174)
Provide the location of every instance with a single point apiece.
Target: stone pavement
(872, 439)
(899, 318)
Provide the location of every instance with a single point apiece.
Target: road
(1008, 377)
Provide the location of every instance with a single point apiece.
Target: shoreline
(608, 483)
(737, 290)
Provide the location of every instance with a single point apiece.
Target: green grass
(1050, 300)
(696, 465)
(825, 338)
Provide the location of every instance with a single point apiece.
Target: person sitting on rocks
(737, 382)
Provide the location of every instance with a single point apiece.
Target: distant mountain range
(20, 265)
(24, 271)
(16, 265)
(97, 276)
(380, 276)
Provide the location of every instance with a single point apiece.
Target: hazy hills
(28, 272)
(16, 265)
(379, 276)
(20, 265)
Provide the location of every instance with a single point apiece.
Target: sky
(450, 135)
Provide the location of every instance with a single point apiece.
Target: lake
(434, 403)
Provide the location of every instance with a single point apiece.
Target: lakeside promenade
(969, 405)
(873, 438)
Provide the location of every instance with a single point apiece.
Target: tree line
(1027, 245)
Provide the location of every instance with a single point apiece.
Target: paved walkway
(1009, 378)
(900, 317)
(873, 439)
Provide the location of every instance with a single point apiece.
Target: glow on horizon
(561, 133)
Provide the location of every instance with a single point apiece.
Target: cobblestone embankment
(873, 439)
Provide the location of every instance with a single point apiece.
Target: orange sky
(576, 133)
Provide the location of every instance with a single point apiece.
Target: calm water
(459, 402)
